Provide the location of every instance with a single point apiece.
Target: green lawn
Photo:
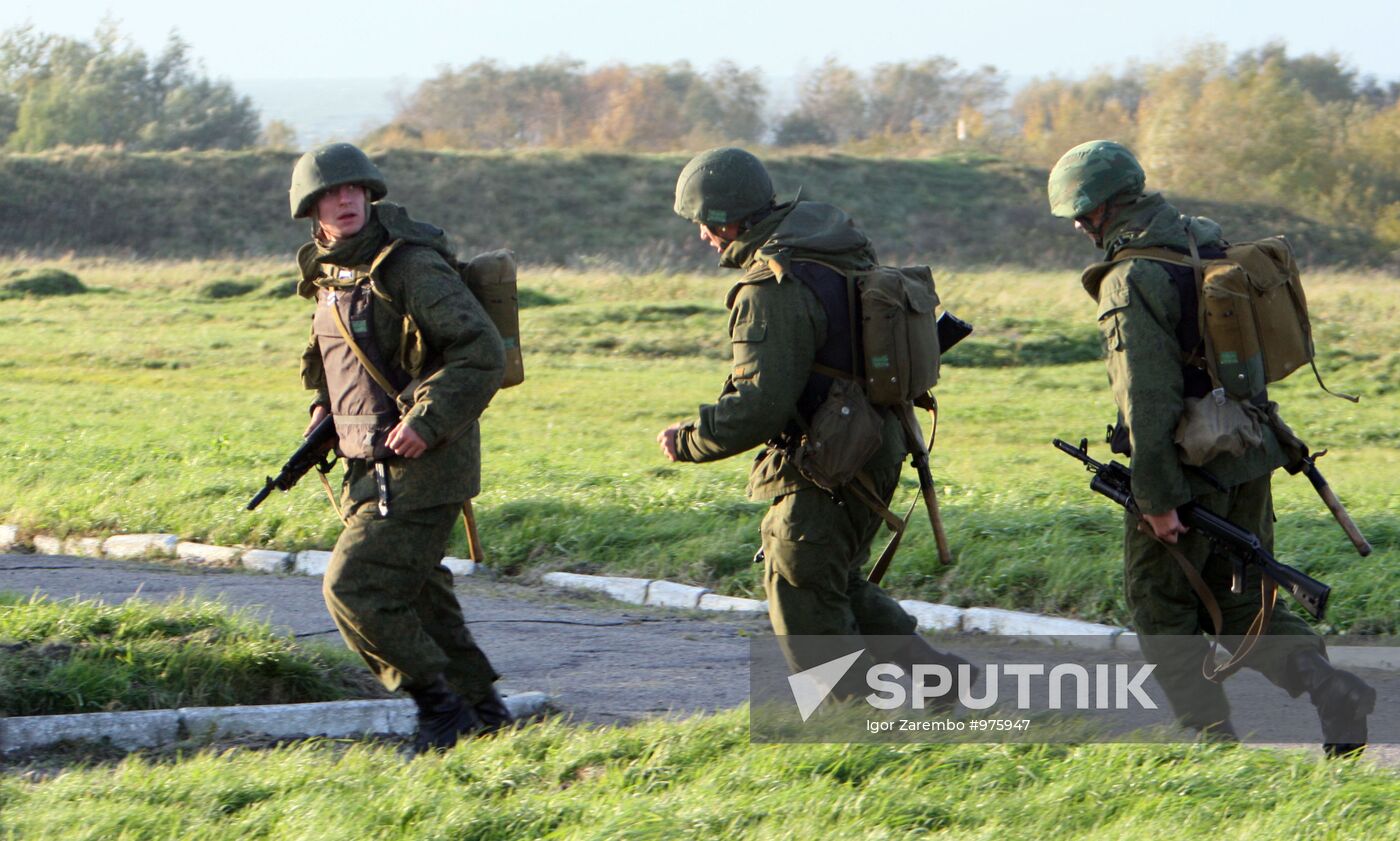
(79, 656)
(700, 778)
(148, 405)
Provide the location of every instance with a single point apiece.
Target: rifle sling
(1268, 597)
(330, 494)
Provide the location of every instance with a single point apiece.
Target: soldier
(787, 313)
(1147, 315)
(405, 360)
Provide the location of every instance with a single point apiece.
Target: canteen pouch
(1215, 425)
(844, 434)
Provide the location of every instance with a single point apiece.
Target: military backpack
(1251, 311)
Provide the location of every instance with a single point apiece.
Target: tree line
(1262, 125)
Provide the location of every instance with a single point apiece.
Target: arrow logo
(810, 687)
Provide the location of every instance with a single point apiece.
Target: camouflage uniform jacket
(776, 326)
(463, 355)
(1138, 311)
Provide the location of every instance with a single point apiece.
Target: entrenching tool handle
(1339, 511)
(930, 495)
(473, 538)
(1363, 547)
(927, 489)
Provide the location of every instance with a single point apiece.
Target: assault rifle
(315, 451)
(1115, 481)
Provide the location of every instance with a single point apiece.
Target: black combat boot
(493, 713)
(1343, 701)
(443, 716)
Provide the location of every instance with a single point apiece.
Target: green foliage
(78, 655)
(57, 91)
(557, 103)
(700, 778)
(176, 407)
(45, 282)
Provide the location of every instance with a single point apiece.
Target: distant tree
(558, 104)
(800, 129)
(929, 96)
(61, 91)
(726, 105)
(1325, 77)
(278, 134)
(641, 108)
(1056, 114)
(833, 98)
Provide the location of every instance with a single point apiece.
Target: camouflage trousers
(815, 545)
(1171, 619)
(392, 599)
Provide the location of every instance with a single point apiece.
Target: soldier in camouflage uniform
(388, 298)
(1147, 316)
(786, 313)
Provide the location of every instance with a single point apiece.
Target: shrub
(42, 283)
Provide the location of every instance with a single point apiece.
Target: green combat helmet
(721, 186)
(331, 166)
(1090, 174)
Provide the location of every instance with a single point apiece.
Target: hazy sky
(412, 39)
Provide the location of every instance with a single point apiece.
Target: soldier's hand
(1165, 527)
(405, 442)
(667, 439)
(318, 414)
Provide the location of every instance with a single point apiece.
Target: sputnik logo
(810, 687)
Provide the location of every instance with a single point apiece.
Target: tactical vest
(364, 412)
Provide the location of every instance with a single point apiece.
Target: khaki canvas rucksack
(491, 278)
(1252, 312)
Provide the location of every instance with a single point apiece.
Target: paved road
(601, 661)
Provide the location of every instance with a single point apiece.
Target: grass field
(78, 656)
(700, 778)
(148, 404)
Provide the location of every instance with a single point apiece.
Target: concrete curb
(133, 546)
(630, 590)
(156, 728)
(138, 546)
(671, 594)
